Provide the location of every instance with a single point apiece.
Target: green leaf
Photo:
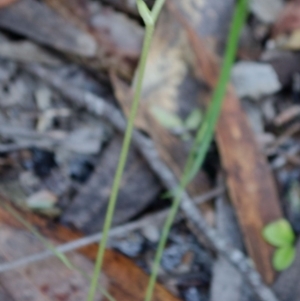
(279, 233)
(193, 121)
(144, 12)
(283, 257)
(167, 119)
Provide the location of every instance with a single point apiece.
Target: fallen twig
(115, 232)
(99, 107)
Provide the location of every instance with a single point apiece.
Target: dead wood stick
(99, 107)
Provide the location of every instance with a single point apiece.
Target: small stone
(254, 80)
(151, 233)
(266, 11)
(43, 98)
(43, 199)
(85, 141)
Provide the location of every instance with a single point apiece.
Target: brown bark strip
(126, 281)
(250, 182)
(249, 179)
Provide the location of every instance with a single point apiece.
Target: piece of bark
(287, 286)
(250, 182)
(138, 189)
(125, 280)
(36, 21)
(249, 178)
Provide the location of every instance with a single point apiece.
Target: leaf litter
(57, 156)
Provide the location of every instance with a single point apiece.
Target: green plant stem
(205, 134)
(158, 5)
(203, 137)
(122, 160)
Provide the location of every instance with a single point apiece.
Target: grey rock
(254, 80)
(85, 141)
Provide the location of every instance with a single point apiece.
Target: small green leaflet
(279, 233)
(193, 121)
(167, 119)
(283, 257)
